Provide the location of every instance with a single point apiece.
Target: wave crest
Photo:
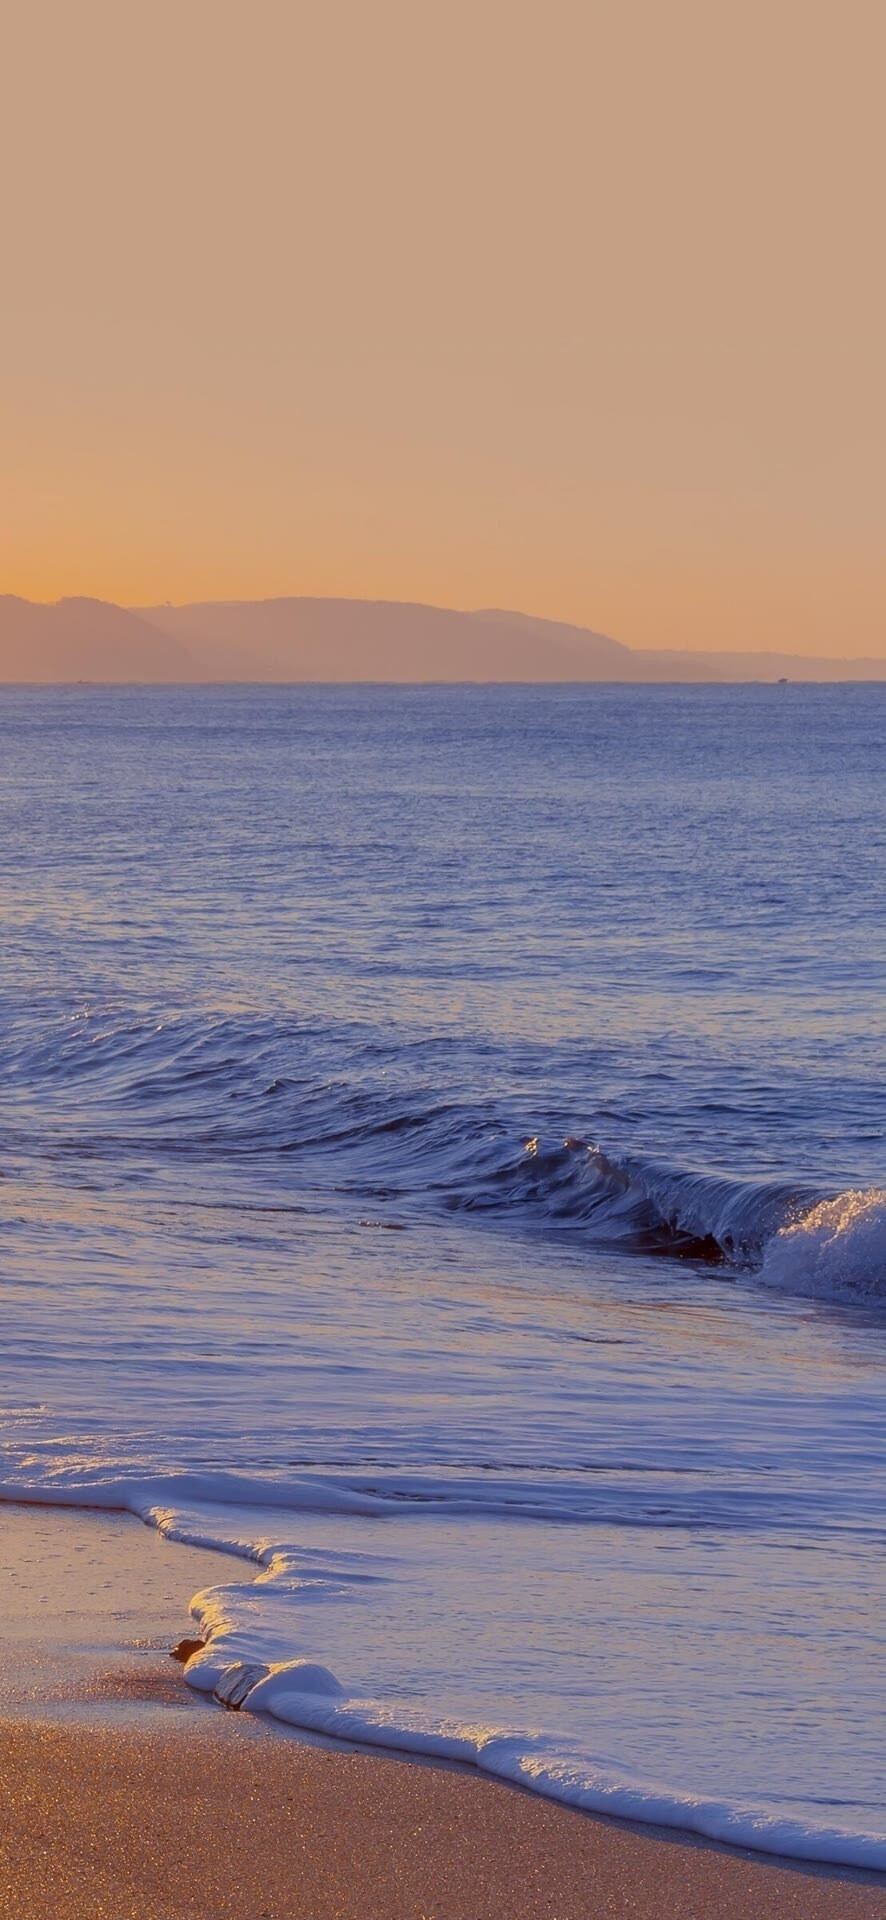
(829, 1247)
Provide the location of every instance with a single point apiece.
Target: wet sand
(124, 1798)
(83, 1593)
(219, 1817)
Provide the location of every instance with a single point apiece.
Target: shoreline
(142, 1808)
(86, 1593)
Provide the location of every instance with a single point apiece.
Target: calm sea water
(443, 1156)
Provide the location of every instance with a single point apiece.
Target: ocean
(443, 1164)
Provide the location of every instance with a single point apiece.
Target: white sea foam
(835, 1251)
(302, 1694)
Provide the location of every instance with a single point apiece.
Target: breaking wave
(314, 1107)
(790, 1239)
(827, 1246)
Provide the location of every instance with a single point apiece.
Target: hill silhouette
(346, 640)
(301, 639)
(82, 639)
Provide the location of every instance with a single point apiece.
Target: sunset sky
(577, 308)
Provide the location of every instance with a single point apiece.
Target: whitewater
(443, 1167)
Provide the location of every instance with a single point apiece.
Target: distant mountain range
(350, 640)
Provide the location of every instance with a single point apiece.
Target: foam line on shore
(240, 1632)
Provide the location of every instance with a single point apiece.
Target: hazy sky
(578, 308)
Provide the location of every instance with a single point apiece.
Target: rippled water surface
(443, 1151)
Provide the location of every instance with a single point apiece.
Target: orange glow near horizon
(575, 310)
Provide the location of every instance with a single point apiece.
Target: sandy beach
(124, 1797)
